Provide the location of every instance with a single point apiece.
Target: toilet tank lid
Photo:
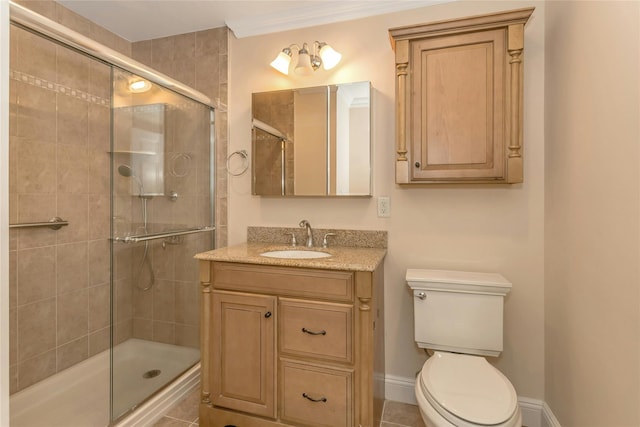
(464, 280)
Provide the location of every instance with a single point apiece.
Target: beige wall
(479, 228)
(592, 213)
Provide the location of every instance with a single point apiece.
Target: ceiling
(136, 20)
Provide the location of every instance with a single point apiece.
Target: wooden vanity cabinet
(459, 89)
(290, 346)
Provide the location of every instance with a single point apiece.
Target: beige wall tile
(36, 274)
(36, 329)
(99, 129)
(72, 266)
(122, 261)
(72, 316)
(36, 208)
(163, 261)
(143, 329)
(187, 336)
(72, 353)
(99, 208)
(72, 20)
(164, 332)
(99, 307)
(13, 336)
(143, 304)
(13, 379)
(100, 80)
(124, 331)
(72, 69)
(99, 341)
(73, 121)
(207, 43)
(73, 208)
(72, 169)
(36, 113)
(99, 263)
(141, 51)
(163, 49)
(124, 300)
(36, 369)
(36, 166)
(187, 300)
(36, 56)
(164, 301)
(100, 175)
(13, 279)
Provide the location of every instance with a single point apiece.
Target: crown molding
(319, 14)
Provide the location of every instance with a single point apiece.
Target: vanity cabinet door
(243, 362)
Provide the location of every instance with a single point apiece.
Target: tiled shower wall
(64, 317)
(59, 143)
(200, 60)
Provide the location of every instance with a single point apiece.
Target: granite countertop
(342, 257)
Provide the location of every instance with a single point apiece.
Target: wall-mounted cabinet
(459, 89)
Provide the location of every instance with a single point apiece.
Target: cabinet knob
(421, 295)
(417, 164)
(267, 314)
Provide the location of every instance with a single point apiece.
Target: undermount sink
(295, 254)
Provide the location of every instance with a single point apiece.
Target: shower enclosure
(111, 195)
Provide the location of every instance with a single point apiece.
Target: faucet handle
(325, 243)
(294, 242)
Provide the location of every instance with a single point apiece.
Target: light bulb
(282, 61)
(330, 57)
(303, 67)
(139, 86)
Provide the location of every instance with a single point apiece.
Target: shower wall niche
(144, 146)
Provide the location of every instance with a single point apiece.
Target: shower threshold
(79, 396)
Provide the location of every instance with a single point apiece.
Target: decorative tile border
(58, 88)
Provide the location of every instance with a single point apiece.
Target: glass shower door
(162, 198)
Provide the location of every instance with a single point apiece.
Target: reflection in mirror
(312, 141)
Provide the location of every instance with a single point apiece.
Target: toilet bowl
(465, 391)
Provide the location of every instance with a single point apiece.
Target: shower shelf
(162, 235)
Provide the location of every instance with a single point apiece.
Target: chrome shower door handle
(421, 295)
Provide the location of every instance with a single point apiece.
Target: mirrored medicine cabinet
(313, 141)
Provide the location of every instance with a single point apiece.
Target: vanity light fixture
(139, 85)
(307, 62)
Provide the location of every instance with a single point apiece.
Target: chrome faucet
(305, 223)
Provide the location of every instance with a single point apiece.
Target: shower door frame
(12, 13)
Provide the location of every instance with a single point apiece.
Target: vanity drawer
(315, 395)
(320, 284)
(315, 329)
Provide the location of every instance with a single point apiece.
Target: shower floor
(79, 396)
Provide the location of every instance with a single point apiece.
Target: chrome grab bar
(55, 223)
(162, 235)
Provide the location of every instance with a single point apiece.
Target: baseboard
(155, 408)
(548, 419)
(535, 413)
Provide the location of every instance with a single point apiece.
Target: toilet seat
(468, 391)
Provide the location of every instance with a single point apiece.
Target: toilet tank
(458, 311)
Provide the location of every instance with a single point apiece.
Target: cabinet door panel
(458, 120)
(244, 352)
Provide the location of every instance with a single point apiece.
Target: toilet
(458, 315)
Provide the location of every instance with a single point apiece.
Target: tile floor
(395, 414)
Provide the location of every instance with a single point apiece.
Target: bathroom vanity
(292, 342)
